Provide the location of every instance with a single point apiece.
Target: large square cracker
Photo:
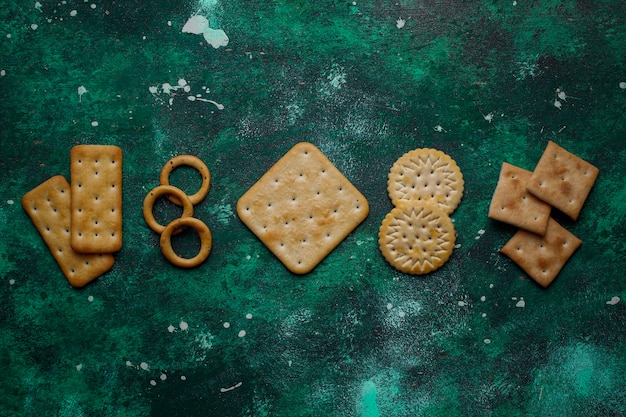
(48, 206)
(542, 258)
(302, 208)
(562, 179)
(512, 204)
(96, 183)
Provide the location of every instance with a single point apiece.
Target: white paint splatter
(196, 25)
(11, 282)
(199, 25)
(488, 117)
(10, 202)
(487, 341)
(401, 314)
(129, 363)
(95, 123)
(184, 326)
(400, 23)
(226, 325)
(389, 306)
(483, 298)
(242, 333)
(143, 365)
(3, 73)
(622, 85)
(38, 6)
(73, 13)
(613, 301)
(34, 26)
(163, 377)
(183, 378)
(153, 382)
(182, 84)
(439, 129)
(171, 328)
(81, 90)
(521, 303)
(237, 385)
(557, 104)
(90, 298)
(462, 303)
(249, 316)
(79, 367)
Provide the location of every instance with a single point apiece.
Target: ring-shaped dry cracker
(194, 162)
(206, 242)
(156, 192)
(426, 174)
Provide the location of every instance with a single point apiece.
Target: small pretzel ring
(205, 242)
(156, 192)
(193, 162)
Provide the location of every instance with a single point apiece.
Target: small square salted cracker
(512, 204)
(542, 257)
(302, 208)
(562, 179)
(48, 206)
(96, 181)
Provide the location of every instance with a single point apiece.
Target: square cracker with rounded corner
(302, 208)
(542, 257)
(48, 206)
(512, 204)
(96, 183)
(562, 179)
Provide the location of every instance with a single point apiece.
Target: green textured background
(476, 79)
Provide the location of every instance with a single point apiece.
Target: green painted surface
(365, 81)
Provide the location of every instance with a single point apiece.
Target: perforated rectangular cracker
(96, 183)
(512, 204)
(302, 208)
(542, 257)
(562, 179)
(48, 206)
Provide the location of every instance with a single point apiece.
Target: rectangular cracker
(96, 183)
(542, 257)
(562, 179)
(513, 204)
(302, 208)
(48, 206)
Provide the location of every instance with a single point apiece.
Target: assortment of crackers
(417, 236)
(525, 199)
(81, 223)
(303, 207)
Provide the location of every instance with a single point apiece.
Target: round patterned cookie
(426, 174)
(416, 237)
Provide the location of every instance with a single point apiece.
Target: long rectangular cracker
(542, 257)
(96, 181)
(512, 204)
(562, 179)
(302, 208)
(48, 206)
